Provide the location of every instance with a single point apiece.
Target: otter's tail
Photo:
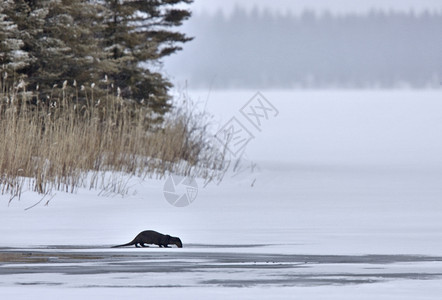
(124, 245)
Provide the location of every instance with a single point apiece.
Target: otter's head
(177, 242)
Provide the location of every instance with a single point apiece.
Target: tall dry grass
(63, 143)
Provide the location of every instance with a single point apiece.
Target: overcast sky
(336, 6)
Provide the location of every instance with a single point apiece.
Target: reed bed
(70, 138)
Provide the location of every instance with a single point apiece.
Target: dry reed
(64, 143)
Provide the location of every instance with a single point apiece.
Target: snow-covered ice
(335, 173)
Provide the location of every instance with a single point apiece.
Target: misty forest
(260, 49)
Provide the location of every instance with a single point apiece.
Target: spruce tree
(60, 40)
(88, 40)
(138, 34)
(13, 57)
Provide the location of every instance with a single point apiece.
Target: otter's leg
(143, 245)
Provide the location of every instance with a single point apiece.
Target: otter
(153, 237)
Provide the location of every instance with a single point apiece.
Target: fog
(333, 6)
(388, 44)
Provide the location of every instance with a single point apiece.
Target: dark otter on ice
(153, 237)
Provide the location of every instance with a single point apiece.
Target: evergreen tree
(60, 41)
(12, 56)
(88, 40)
(137, 36)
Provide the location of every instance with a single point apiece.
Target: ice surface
(335, 173)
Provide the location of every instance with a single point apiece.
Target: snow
(387, 290)
(346, 173)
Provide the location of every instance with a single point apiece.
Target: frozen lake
(339, 193)
(204, 266)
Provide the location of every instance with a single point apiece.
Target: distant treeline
(265, 50)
